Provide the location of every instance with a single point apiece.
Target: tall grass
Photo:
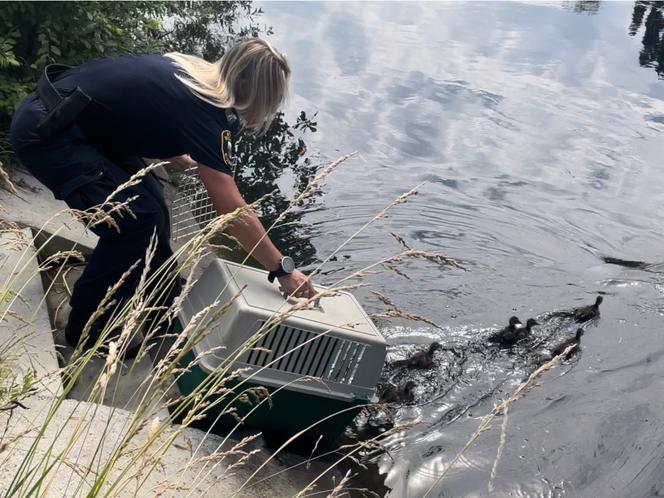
(124, 460)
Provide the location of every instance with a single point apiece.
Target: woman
(84, 131)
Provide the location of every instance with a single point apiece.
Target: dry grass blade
(395, 312)
(313, 450)
(135, 179)
(18, 239)
(384, 299)
(499, 451)
(399, 272)
(106, 303)
(103, 214)
(339, 488)
(61, 258)
(302, 304)
(7, 442)
(404, 197)
(432, 256)
(399, 200)
(15, 316)
(406, 316)
(319, 180)
(7, 183)
(400, 240)
(236, 450)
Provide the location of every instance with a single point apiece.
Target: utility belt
(62, 110)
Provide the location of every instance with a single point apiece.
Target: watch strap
(286, 267)
(279, 272)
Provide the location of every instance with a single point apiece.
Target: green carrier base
(288, 413)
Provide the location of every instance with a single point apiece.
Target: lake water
(536, 132)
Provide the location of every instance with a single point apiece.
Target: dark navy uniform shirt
(140, 108)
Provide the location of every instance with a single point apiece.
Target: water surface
(536, 133)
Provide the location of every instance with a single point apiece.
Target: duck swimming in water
(513, 333)
(507, 332)
(582, 314)
(586, 313)
(529, 325)
(576, 339)
(398, 394)
(421, 359)
(524, 332)
(510, 334)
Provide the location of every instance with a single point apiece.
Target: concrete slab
(24, 319)
(34, 206)
(83, 436)
(129, 383)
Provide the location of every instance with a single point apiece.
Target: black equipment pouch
(61, 110)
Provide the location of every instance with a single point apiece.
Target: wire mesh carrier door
(192, 208)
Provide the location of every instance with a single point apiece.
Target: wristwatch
(286, 267)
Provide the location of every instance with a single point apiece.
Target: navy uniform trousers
(90, 178)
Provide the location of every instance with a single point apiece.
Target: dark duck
(584, 313)
(421, 359)
(562, 346)
(507, 332)
(398, 394)
(514, 332)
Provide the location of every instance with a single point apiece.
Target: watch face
(288, 264)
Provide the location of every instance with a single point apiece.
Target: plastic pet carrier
(334, 342)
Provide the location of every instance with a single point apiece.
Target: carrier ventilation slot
(306, 353)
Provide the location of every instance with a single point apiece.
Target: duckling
(421, 359)
(576, 339)
(505, 334)
(582, 314)
(513, 324)
(529, 325)
(510, 337)
(524, 332)
(586, 313)
(398, 394)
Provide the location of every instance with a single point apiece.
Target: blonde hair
(251, 77)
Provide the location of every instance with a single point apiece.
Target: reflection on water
(263, 160)
(652, 54)
(588, 7)
(537, 135)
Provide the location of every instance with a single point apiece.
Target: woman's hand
(181, 163)
(296, 280)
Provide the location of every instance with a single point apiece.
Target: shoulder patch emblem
(227, 147)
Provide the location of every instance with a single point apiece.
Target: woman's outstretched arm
(249, 231)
